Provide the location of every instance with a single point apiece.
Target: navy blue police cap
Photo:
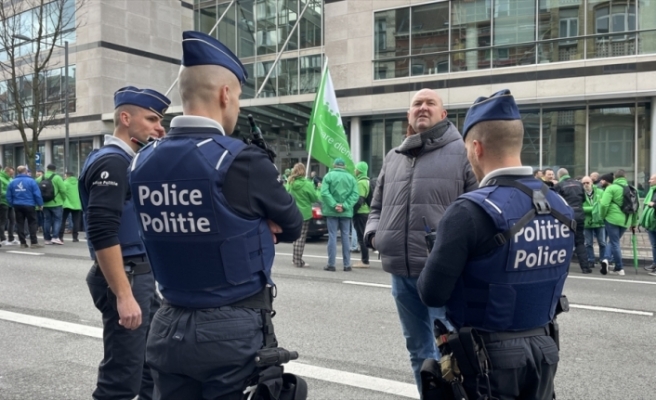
(144, 98)
(500, 106)
(201, 49)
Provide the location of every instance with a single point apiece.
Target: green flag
(326, 139)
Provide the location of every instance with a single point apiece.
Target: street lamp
(66, 138)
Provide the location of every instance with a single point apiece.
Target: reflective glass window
(248, 89)
(612, 18)
(245, 29)
(560, 21)
(226, 31)
(392, 33)
(644, 145)
(471, 23)
(8, 157)
(373, 135)
(288, 77)
(310, 73)
(310, 28)
(266, 34)
(612, 139)
(261, 71)
(430, 28)
(647, 20)
(514, 24)
(563, 140)
(287, 17)
(531, 147)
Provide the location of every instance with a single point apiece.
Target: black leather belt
(262, 300)
(490, 337)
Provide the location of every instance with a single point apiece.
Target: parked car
(317, 227)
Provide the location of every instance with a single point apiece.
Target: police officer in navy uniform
(502, 277)
(120, 281)
(210, 209)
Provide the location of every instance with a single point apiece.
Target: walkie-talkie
(258, 140)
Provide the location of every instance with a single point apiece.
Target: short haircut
(51, 167)
(21, 169)
(548, 169)
(128, 108)
(620, 173)
(562, 172)
(502, 138)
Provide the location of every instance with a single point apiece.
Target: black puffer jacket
(574, 194)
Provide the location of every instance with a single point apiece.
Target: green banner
(326, 139)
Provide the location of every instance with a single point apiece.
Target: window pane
(612, 139)
(86, 146)
(225, 31)
(514, 22)
(430, 64)
(470, 21)
(288, 77)
(644, 144)
(647, 40)
(511, 56)
(563, 140)
(8, 157)
(310, 70)
(206, 18)
(246, 29)
(430, 28)
(58, 156)
(398, 68)
(391, 32)
(261, 71)
(287, 16)
(266, 35)
(531, 147)
(248, 89)
(310, 27)
(611, 46)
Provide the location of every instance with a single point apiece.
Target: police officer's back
(115, 245)
(206, 202)
(501, 278)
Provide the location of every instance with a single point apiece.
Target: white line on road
(581, 306)
(614, 310)
(312, 256)
(29, 253)
(310, 371)
(611, 280)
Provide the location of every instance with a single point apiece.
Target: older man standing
(420, 178)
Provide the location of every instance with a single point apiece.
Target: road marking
(310, 371)
(312, 256)
(581, 306)
(380, 285)
(613, 310)
(611, 280)
(25, 252)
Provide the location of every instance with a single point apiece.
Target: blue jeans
(590, 234)
(417, 323)
(344, 226)
(652, 240)
(613, 249)
(52, 221)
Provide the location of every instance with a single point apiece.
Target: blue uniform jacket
(24, 191)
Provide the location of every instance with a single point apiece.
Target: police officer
(210, 209)
(501, 278)
(119, 254)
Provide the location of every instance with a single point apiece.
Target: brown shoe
(360, 265)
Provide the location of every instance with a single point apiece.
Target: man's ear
(224, 96)
(125, 117)
(478, 148)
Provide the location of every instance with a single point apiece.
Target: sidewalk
(643, 248)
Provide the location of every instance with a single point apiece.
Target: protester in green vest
(72, 206)
(648, 221)
(594, 224)
(304, 193)
(616, 221)
(53, 209)
(6, 212)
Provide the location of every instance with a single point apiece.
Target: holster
(433, 385)
(273, 384)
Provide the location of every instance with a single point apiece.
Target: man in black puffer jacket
(572, 191)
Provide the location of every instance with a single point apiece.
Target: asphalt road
(343, 324)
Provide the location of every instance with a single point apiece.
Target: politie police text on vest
(173, 208)
(538, 244)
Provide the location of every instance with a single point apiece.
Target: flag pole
(307, 170)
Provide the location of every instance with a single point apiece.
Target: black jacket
(574, 194)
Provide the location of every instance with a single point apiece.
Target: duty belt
(133, 265)
(490, 337)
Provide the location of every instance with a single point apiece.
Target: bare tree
(30, 32)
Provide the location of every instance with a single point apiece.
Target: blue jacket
(24, 191)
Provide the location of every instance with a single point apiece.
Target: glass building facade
(257, 30)
(466, 35)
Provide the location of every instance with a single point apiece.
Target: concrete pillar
(2, 155)
(98, 141)
(356, 139)
(471, 43)
(652, 141)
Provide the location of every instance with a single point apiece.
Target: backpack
(630, 203)
(47, 189)
(370, 195)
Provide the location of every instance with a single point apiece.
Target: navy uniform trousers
(522, 368)
(122, 373)
(203, 353)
